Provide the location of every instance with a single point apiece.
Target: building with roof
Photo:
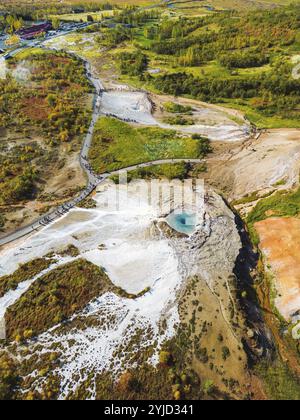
(34, 31)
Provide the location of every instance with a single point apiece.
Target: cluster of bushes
(23, 273)
(133, 17)
(280, 383)
(234, 41)
(133, 64)
(118, 34)
(178, 120)
(32, 11)
(171, 379)
(175, 108)
(273, 93)
(170, 171)
(18, 176)
(49, 103)
(21, 187)
(10, 23)
(244, 60)
(231, 31)
(9, 378)
(55, 297)
(2, 220)
(181, 111)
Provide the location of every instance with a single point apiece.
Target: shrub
(165, 358)
(225, 353)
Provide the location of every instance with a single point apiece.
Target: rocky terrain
(263, 165)
(156, 265)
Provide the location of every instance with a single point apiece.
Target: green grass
(260, 120)
(280, 383)
(281, 204)
(118, 145)
(177, 108)
(253, 71)
(280, 183)
(139, 36)
(249, 198)
(211, 69)
(169, 171)
(29, 52)
(55, 297)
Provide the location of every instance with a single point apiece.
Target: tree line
(245, 40)
(10, 23)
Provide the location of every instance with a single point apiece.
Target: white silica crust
(134, 245)
(125, 105)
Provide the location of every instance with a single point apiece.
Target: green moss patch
(23, 273)
(55, 297)
(280, 382)
(118, 145)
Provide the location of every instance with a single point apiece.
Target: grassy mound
(281, 204)
(55, 297)
(24, 272)
(118, 145)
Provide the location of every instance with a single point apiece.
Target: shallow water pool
(182, 222)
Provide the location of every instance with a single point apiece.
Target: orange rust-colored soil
(36, 108)
(280, 243)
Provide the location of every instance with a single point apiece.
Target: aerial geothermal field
(149, 201)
